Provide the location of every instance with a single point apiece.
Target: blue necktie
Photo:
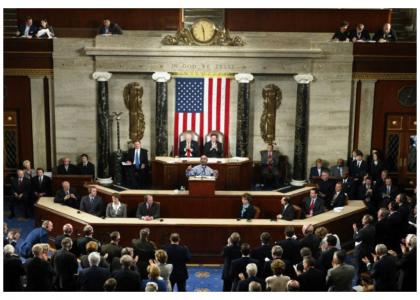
(137, 159)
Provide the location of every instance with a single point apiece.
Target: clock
(407, 96)
(203, 30)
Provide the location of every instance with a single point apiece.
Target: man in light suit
(270, 165)
(339, 169)
(138, 165)
(148, 210)
(213, 148)
(287, 212)
(313, 204)
(92, 203)
(340, 276)
(188, 147)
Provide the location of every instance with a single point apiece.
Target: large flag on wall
(202, 105)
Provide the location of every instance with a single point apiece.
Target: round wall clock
(203, 30)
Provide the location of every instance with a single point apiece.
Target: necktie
(388, 189)
(137, 159)
(270, 161)
(311, 207)
(40, 180)
(204, 171)
(358, 164)
(341, 171)
(67, 168)
(188, 150)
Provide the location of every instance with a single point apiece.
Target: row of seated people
(313, 262)
(361, 34)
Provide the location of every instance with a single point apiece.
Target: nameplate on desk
(202, 178)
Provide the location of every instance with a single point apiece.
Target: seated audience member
(87, 237)
(41, 184)
(340, 276)
(21, 191)
(145, 250)
(407, 264)
(342, 34)
(109, 28)
(128, 280)
(10, 237)
(247, 210)
(277, 282)
(110, 285)
(45, 31)
(148, 210)
(27, 30)
(201, 170)
(255, 287)
(116, 209)
(270, 165)
(276, 253)
(375, 167)
(251, 275)
(293, 286)
(138, 163)
(67, 233)
(387, 193)
(348, 186)
(213, 148)
(67, 168)
(364, 240)
(231, 252)
(92, 203)
(359, 34)
(264, 251)
(358, 167)
(386, 34)
(317, 170)
(161, 258)
(92, 246)
(382, 228)
(67, 195)
(325, 259)
(309, 239)
(366, 192)
(287, 212)
(238, 265)
(313, 204)
(188, 147)
(39, 273)
(339, 198)
(178, 256)
(36, 236)
(384, 269)
(339, 169)
(13, 270)
(312, 279)
(92, 279)
(326, 187)
(112, 249)
(28, 172)
(290, 245)
(154, 276)
(85, 166)
(65, 266)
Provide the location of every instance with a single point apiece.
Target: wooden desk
(205, 237)
(234, 173)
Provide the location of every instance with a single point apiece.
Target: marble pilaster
(161, 117)
(242, 137)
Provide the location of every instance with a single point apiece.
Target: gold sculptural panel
(272, 99)
(133, 94)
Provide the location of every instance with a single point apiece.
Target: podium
(201, 185)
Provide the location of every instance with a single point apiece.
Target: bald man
(21, 190)
(67, 195)
(386, 34)
(67, 168)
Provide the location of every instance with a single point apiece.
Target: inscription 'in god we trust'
(203, 67)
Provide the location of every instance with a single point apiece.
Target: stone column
(103, 145)
(367, 99)
(242, 132)
(161, 117)
(301, 129)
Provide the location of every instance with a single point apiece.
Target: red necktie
(311, 207)
(188, 150)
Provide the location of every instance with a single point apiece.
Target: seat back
(298, 211)
(257, 212)
(220, 136)
(195, 136)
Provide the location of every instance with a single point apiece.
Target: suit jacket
(59, 198)
(213, 152)
(290, 250)
(23, 188)
(314, 172)
(384, 196)
(325, 259)
(407, 265)
(112, 250)
(153, 211)
(37, 235)
(341, 36)
(121, 212)
(327, 188)
(145, 250)
(358, 172)
(229, 254)
(364, 195)
(94, 208)
(275, 160)
(65, 266)
(384, 271)
(366, 237)
(335, 171)
(318, 208)
(312, 242)
(396, 229)
(194, 147)
(261, 253)
(312, 280)
(43, 187)
(363, 36)
(382, 232)
(288, 212)
(143, 157)
(339, 200)
(32, 30)
(81, 244)
(39, 275)
(340, 279)
(127, 280)
(58, 240)
(239, 266)
(89, 169)
(14, 269)
(178, 256)
(390, 37)
(72, 170)
(375, 170)
(114, 28)
(92, 279)
(249, 212)
(243, 285)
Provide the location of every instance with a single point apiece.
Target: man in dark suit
(408, 264)
(339, 198)
(128, 280)
(178, 256)
(148, 210)
(239, 265)
(287, 212)
(188, 147)
(213, 148)
(325, 259)
(396, 225)
(247, 210)
(386, 34)
(341, 34)
(364, 240)
(67, 233)
(359, 34)
(358, 167)
(263, 252)
(28, 29)
(112, 249)
(270, 165)
(92, 279)
(276, 253)
(326, 188)
(312, 279)
(39, 273)
(251, 272)
(86, 238)
(13, 270)
(387, 193)
(145, 250)
(348, 186)
(67, 195)
(231, 252)
(317, 170)
(340, 276)
(85, 166)
(313, 205)
(65, 266)
(138, 166)
(92, 203)
(366, 192)
(67, 168)
(290, 245)
(41, 185)
(109, 28)
(309, 239)
(36, 236)
(382, 228)
(21, 191)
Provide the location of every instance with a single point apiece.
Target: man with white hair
(37, 235)
(67, 195)
(92, 279)
(21, 190)
(254, 287)
(39, 273)
(386, 34)
(67, 168)
(13, 268)
(65, 265)
(127, 279)
(188, 147)
(407, 264)
(251, 271)
(67, 233)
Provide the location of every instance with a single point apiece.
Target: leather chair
(257, 212)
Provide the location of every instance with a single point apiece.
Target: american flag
(202, 105)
